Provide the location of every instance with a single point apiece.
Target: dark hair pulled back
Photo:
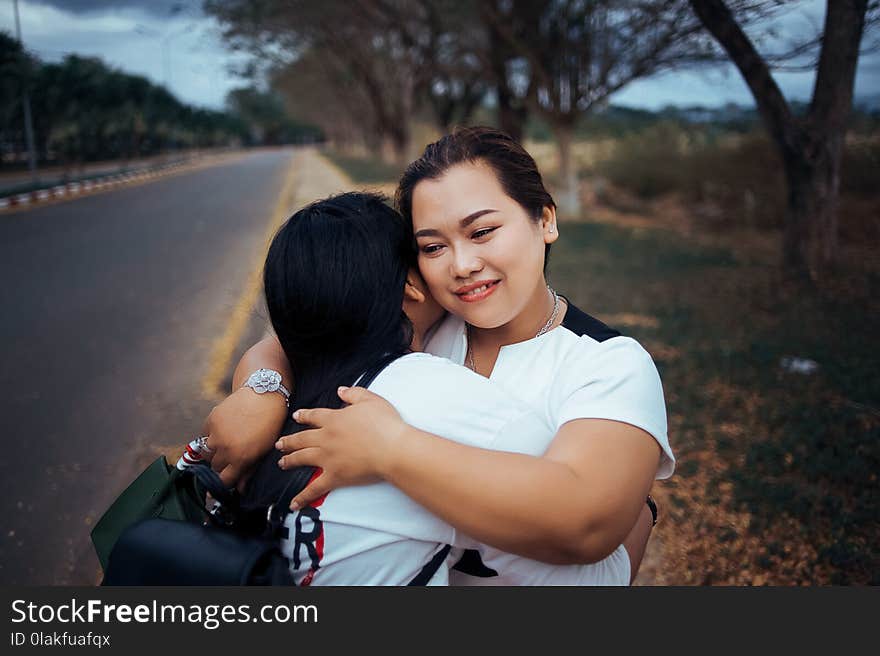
(513, 166)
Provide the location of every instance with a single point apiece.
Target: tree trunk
(568, 199)
(810, 241)
(395, 147)
(512, 113)
(511, 119)
(400, 138)
(388, 150)
(811, 148)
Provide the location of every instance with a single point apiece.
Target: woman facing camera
(483, 224)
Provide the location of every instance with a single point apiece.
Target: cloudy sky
(173, 42)
(170, 42)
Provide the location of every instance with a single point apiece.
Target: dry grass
(776, 480)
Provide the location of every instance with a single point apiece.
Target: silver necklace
(469, 359)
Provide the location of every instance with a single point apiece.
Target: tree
(264, 113)
(319, 91)
(578, 53)
(454, 74)
(17, 70)
(85, 110)
(502, 60)
(359, 37)
(811, 145)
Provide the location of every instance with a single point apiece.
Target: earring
(551, 229)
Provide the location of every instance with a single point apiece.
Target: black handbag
(159, 491)
(235, 546)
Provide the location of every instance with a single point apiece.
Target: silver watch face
(264, 380)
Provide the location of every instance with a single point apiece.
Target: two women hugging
(507, 423)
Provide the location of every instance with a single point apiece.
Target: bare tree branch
(719, 20)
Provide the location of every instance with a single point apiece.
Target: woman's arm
(243, 427)
(575, 504)
(265, 354)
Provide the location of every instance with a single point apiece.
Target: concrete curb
(73, 189)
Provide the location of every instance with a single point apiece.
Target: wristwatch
(267, 380)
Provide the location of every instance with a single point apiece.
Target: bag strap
(431, 567)
(370, 374)
(211, 482)
(198, 479)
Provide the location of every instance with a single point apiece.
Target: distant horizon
(859, 102)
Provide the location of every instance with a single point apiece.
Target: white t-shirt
(376, 535)
(582, 369)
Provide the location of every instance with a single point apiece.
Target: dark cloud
(158, 8)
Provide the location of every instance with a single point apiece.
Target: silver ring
(203, 444)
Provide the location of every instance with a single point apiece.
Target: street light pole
(166, 54)
(26, 103)
(166, 63)
(164, 42)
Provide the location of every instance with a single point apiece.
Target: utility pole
(164, 40)
(166, 61)
(26, 103)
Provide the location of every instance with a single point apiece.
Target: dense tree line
(84, 110)
(267, 118)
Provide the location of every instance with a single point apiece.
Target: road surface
(111, 306)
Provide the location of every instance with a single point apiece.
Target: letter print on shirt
(309, 534)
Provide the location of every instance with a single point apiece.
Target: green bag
(159, 491)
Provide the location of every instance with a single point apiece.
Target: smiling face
(480, 252)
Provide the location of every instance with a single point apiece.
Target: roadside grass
(777, 471)
(364, 169)
(733, 180)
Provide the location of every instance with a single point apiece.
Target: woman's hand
(241, 430)
(353, 445)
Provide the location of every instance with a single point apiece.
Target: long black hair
(334, 279)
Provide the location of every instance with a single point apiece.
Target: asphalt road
(110, 307)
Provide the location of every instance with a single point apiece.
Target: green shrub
(649, 163)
